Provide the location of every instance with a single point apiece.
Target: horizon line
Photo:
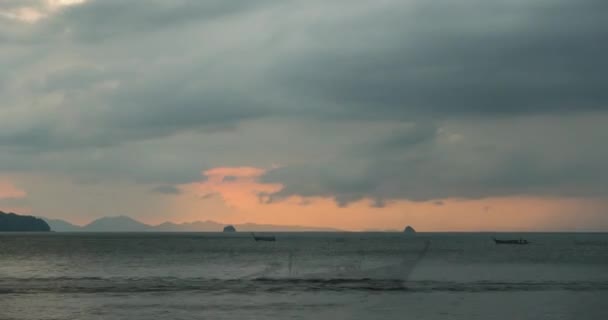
(335, 229)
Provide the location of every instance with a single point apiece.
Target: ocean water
(302, 276)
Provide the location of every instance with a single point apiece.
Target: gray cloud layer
(381, 99)
(471, 58)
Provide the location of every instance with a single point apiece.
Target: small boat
(263, 238)
(515, 241)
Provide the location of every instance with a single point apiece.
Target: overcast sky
(453, 115)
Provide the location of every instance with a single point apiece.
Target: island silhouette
(12, 222)
(229, 229)
(409, 230)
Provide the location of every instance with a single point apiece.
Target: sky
(471, 115)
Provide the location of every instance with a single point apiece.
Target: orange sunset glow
(235, 195)
(10, 191)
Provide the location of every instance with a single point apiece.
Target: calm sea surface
(302, 276)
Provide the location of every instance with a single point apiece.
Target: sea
(302, 276)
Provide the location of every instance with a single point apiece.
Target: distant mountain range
(128, 224)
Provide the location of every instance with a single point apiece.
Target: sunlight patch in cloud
(239, 187)
(24, 14)
(58, 3)
(32, 13)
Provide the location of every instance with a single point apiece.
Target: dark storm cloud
(547, 156)
(109, 108)
(406, 137)
(158, 162)
(179, 106)
(399, 61)
(119, 86)
(459, 58)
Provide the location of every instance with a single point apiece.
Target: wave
(270, 285)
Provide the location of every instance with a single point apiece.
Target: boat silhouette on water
(511, 241)
(263, 238)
